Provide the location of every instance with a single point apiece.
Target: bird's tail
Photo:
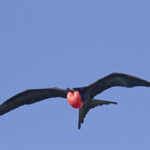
(93, 103)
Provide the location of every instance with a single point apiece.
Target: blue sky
(47, 43)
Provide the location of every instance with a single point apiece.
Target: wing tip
(114, 103)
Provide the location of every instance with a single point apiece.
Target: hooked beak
(68, 89)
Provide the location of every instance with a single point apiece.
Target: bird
(81, 98)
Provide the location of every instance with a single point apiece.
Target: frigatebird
(81, 97)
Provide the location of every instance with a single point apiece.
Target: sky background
(71, 43)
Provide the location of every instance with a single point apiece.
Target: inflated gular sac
(74, 99)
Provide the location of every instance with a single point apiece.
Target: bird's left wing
(92, 104)
(30, 97)
(115, 79)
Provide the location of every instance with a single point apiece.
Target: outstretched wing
(93, 103)
(115, 79)
(30, 97)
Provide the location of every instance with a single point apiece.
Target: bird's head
(74, 98)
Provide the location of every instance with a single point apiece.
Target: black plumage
(87, 93)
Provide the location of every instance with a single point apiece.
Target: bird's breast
(74, 99)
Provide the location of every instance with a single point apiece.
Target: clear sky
(71, 43)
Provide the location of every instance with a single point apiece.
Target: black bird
(87, 93)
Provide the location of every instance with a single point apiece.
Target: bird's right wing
(30, 97)
(84, 110)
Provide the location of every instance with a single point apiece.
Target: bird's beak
(68, 89)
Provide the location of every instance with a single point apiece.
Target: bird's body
(81, 97)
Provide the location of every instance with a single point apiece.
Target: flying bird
(81, 98)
